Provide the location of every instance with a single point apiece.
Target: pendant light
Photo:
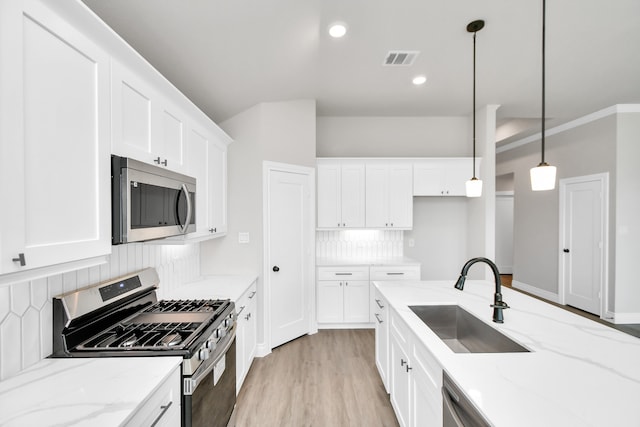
(474, 185)
(543, 176)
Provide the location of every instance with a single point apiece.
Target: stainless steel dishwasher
(457, 410)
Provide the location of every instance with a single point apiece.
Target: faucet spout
(498, 305)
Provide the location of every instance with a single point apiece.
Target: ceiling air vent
(400, 57)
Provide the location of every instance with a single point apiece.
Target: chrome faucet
(498, 305)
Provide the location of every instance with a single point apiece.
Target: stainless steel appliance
(123, 317)
(149, 202)
(457, 409)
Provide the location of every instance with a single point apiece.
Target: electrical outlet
(243, 237)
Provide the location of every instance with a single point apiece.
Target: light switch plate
(243, 237)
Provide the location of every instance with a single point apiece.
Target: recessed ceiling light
(419, 80)
(337, 30)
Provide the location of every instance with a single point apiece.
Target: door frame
(603, 178)
(309, 172)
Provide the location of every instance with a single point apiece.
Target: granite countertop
(390, 261)
(578, 373)
(82, 391)
(214, 287)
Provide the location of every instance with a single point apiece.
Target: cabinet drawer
(427, 363)
(400, 272)
(162, 408)
(399, 329)
(343, 273)
(247, 299)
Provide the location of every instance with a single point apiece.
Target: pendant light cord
(543, 72)
(474, 104)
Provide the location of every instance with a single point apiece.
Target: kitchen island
(577, 372)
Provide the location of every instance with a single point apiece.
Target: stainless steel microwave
(149, 202)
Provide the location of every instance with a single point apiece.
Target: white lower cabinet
(387, 274)
(381, 315)
(343, 295)
(162, 408)
(246, 334)
(415, 378)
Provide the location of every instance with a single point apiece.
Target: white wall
(26, 319)
(606, 141)
(282, 132)
(393, 137)
(627, 230)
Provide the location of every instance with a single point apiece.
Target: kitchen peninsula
(577, 372)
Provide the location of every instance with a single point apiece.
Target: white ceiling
(228, 55)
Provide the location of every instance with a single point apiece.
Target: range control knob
(203, 354)
(210, 344)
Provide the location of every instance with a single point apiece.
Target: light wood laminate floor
(328, 379)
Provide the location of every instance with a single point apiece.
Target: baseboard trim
(346, 326)
(625, 318)
(262, 350)
(550, 296)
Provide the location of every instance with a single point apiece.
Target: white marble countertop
(578, 373)
(216, 287)
(389, 261)
(82, 392)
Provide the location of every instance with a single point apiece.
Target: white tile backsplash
(26, 307)
(359, 244)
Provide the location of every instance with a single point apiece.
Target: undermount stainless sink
(463, 332)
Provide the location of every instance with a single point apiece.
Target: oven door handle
(187, 221)
(190, 384)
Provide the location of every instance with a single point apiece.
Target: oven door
(213, 399)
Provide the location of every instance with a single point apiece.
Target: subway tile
(20, 298)
(10, 348)
(39, 292)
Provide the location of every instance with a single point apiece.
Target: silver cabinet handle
(394, 273)
(252, 295)
(408, 368)
(164, 408)
(378, 302)
(247, 317)
(213, 230)
(378, 317)
(344, 274)
(20, 259)
(240, 311)
(402, 362)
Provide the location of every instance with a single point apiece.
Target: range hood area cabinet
(442, 176)
(146, 127)
(54, 141)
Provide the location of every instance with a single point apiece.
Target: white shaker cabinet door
(377, 195)
(330, 301)
(353, 194)
(197, 157)
(217, 188)
(400, 188)
(329, 194)
(55, 132)
(356, 301)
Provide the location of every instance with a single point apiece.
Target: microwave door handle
(183, 228)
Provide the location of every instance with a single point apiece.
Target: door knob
(565, 250)
(276, 268)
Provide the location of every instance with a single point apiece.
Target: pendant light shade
(543, 176)
(474, 185)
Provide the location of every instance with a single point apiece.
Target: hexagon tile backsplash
(26, 309)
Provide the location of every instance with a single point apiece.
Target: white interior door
(288, 265)
(504, 233)
(583, 242)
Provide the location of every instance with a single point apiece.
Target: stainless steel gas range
(123, 317)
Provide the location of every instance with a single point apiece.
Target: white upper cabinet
(54, 140)
(389, 194)
(207, 160)
(341, 193)
(146, 126)
(442, 177)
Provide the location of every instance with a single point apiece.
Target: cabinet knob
(20, 259)
(344, 225)
(212, 230)
(276, 268)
